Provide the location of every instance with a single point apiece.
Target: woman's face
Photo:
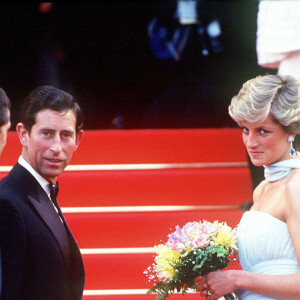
(266, 142)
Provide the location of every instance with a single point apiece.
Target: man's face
(49, 146)
(3, 134)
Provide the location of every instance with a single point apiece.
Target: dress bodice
(265, 247)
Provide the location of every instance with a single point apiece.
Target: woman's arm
(220, 283)
(276, 286)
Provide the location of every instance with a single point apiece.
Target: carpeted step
(208, 186)
(118, 271)
(161, 145)
(149, 146)
(144, 297)
(137, 229)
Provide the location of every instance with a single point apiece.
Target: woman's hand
(217, 284)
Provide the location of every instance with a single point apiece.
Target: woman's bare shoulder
(294, 180)
(293, 189)
(257, 191)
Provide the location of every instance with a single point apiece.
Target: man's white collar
(41, 180)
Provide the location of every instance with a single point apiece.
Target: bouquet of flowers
(195, 249)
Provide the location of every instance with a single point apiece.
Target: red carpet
(125, 212)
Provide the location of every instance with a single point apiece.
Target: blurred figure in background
(278, 36)
(4, 118)
(170, 40)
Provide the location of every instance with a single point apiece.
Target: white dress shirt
(41, 180)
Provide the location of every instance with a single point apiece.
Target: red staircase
(127, 189)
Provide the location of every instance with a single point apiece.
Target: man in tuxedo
(40, 257)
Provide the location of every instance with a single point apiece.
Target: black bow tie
(53, 192)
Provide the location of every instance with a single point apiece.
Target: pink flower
(192, 235)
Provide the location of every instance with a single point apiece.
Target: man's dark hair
(5, 106)
(49, 97)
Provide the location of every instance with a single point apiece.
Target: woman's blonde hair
(269, 94)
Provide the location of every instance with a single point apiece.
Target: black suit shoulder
(13, 238)
(10, 188)
(33, 263)
(35, 244)
(13, 200)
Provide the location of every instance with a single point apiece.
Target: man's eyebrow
(68, 130)
(46, 128)
(52, 129)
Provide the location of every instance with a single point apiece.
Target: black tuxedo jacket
(40, 258)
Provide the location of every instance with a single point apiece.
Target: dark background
(100, 53)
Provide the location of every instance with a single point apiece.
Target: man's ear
(78, 139)
(22, 134)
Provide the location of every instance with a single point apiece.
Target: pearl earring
(292, 150)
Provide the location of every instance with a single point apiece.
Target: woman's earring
(292, 150)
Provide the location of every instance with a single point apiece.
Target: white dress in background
(278, 31)
(265, 247)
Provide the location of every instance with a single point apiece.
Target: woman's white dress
(265, 247)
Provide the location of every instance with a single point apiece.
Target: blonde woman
(267, 108)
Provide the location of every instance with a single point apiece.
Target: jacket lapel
(50, 217)
(44, 208)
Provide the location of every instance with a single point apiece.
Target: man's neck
(41, 180)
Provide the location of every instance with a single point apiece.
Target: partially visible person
(278, 36)
(5, 107)
(40, 257)
(267, 108)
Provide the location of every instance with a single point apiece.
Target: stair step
(213, 186)
(143, 229)
(144, 297)
(155, 187)
(148, 146)
(117, 271)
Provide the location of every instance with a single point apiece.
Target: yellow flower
(165, 259)
(226, 237)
